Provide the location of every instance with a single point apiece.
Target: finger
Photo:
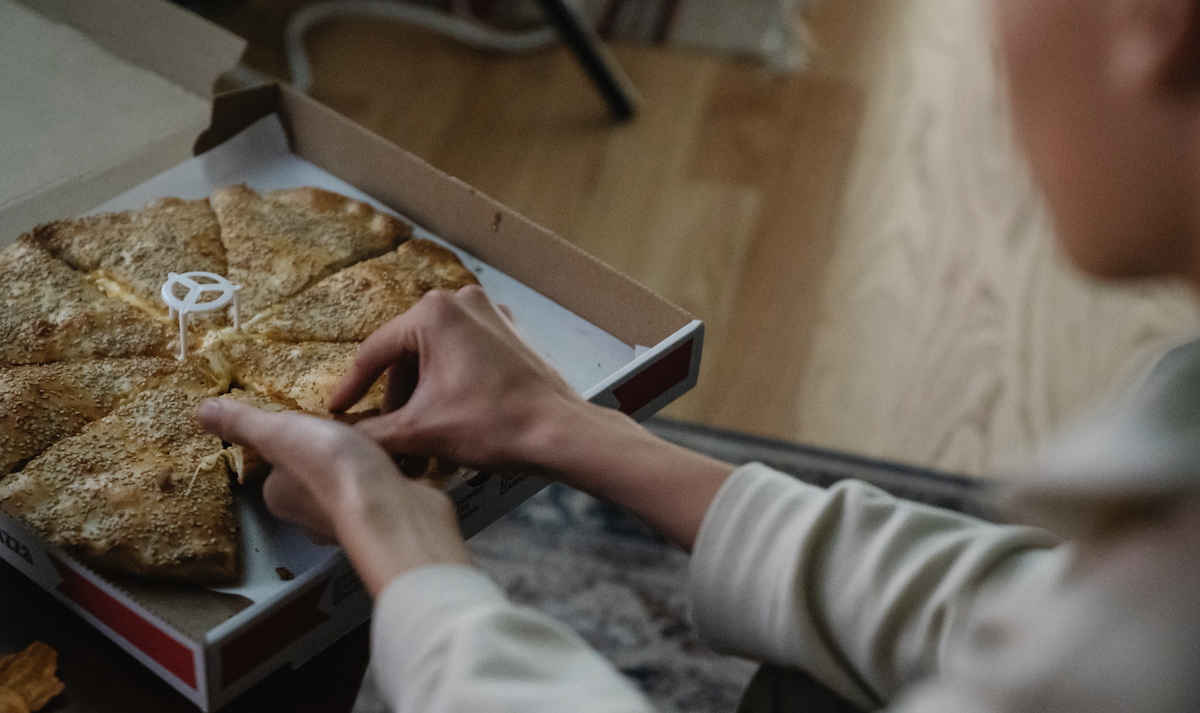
(387, 345)
(278, 437)
(287, 498)
(390, 432)
(504, 310)
(234, 422)
(402, 379)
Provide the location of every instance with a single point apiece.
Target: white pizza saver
(199, 286)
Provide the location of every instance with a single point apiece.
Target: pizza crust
(304, 374)
(39, 405)
(134, 251)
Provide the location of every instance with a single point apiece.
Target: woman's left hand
(340, 485)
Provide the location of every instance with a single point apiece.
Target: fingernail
(208, 409)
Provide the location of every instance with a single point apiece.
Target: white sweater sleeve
(858, 588)
(446, 639)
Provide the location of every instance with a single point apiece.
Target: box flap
(176, 44)
(98, 96)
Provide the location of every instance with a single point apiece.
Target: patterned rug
(623, 589)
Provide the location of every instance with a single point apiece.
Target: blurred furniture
(565, 23)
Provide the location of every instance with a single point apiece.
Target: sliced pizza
(279, 243)
(41, 404)
(133, 252)
(142, 491)
(304, 373)
(349, 305)
(53, 313)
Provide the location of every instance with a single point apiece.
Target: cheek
(1034, 73)
(1078, 145)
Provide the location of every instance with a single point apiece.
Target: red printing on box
(275, 632)
(654, 380)
(146, 637)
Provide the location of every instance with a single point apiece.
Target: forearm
(607, 454)
(862, 590)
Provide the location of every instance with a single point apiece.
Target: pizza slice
(304, 373)
(44, 403)
(142, 491)
(133, 252)
(279, 243)
(53, 313)
(349, 305)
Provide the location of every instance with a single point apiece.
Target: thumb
(230, 420)
(278, 437)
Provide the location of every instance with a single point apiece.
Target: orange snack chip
(12, 702)
(27, 680)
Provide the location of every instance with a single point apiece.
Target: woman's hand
(340, 485)
(462, 385)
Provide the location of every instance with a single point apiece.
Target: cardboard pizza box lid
(98, 95)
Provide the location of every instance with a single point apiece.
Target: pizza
(53, 313)
(349, 305)
(304, 374)
(100, 451)
(41, 404)
(280, 243)
(133, 252)
(144, 490)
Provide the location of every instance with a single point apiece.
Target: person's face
(1113, 153)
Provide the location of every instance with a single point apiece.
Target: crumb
(285, 574)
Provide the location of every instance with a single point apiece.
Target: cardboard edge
(326, 603)
(234, 110)
(669, 369)
(42, 563)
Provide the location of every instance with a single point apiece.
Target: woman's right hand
(462, 385)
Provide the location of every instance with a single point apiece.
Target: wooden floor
(874, 268)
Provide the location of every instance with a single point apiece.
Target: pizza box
(617, 343)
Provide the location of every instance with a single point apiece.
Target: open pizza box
(617, 343)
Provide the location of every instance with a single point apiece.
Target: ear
(1156, 44)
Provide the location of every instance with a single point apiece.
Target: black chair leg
(601, 68)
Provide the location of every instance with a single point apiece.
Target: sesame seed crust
(280, 243)
(41, 404)
(138, 249)
(351, 304)
(142, 491)
(304, 373)
(53, 313)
